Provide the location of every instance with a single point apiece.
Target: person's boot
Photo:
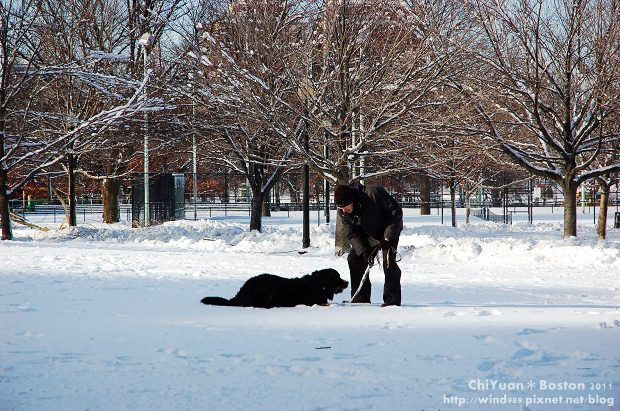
(390, 305)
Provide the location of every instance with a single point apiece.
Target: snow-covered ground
(494, 317)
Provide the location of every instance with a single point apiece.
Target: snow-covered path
(109, 318)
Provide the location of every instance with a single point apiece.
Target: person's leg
(391, 288)
(357, 267)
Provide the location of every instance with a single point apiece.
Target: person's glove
(388, 244)
(389, 250)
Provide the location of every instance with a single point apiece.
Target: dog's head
(330, 282)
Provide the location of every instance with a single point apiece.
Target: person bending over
(372, 220)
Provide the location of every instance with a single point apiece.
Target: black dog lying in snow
(268, 290)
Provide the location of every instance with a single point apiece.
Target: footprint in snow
(604, 324)
(175, 352)
(486, 365)
(454, 314)
(393, 326)
(487, 338)
(309, 359)
(28, 334)
(522, 353)
(20, 308)
(486, 313)
(528, 331)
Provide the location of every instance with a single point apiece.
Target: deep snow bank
(482, 243)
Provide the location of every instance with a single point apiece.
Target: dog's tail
(215, 301)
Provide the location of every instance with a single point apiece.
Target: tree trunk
(467, 207)
(5, 218)
(256, 211)
(72, 196)
(326, 201)
(342, 244)
(109, 191)
(425, 194)
(266, 206)
(292, 182)
(601, 229)
(453, 203)
(570, 208)
(306, 203)
(260, 188)
(225, 196)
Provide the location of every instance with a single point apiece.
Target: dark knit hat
(344, 195)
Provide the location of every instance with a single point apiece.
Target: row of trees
(71, 87)
(457, 90)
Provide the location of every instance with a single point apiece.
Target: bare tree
(151, 21)
(357, 72)
(17, 54)
(609, 155)
(94, 36)
(42, 124)
(243, 58)
(459, 161)
(544, 75)
(365, 68)
(458, 158)
(72, 31)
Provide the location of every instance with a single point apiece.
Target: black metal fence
(228, 193)
(92, 212)
(487, 215)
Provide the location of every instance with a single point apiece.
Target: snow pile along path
(208, 235)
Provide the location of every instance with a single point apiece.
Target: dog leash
(365, 276)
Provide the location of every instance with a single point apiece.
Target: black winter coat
(376, 214)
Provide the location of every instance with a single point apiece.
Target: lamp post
(326, 188)
(305, 92)
(146, 41)
(306, 199)
(194, 160)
